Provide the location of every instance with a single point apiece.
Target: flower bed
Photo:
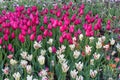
(59, 42)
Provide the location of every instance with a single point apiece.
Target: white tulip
(23, 63)
(43, 52)
(50, 49)
(79, 77)
(72, 46)
(92, 62)
(79, 66)
(88, 50)
(50, 41)
(76, 54)
(37, 45)
(24, 54)
(13, 62)
(93, 73)
(91, 39)
(29, 77)
(112, 41)
(96, 56)
(81, 37)
(41, 60)
(29, 69)
(73, 73)
(99, 45)
(6, 79)
(65, 67)
(17, 76)
(118, 47)
(29, 57)
(43, 73)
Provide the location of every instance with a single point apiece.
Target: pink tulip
(6, 31)
(12, 50)
(54, 49)
(10, 56)
(50, 34)
(71, 29)
(73, 17)
(108, 27)
(42, 28)
(34, 8)
(29, 31)
(45, 20)
(21, 38)
(117, 59)
(108, 58)
(58, 13)
(81, 12)
(32, 37)
(45, 33)
(34, 28)
(55, 23)
(23, 32)
(5, 37)
(61, 39)
(87, 33)
(9, 47)
(60, 23)
(13, 35)
(77, 21)
(39, 38)
(1, 40)
(49, 26)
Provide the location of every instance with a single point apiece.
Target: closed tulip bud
(5, 37)
(45, 20)
(54, 49)
(21, 38)
(9, 47)
(29, 69)
(39, 38)
(13, 35)
(1, 41)
(61, 39)
(32, 37)
(41, 60)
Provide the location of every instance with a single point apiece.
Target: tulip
(73, 73)
(9, 47)
(61, 39)
(5, 37)
(54, 49)
(71, 29)
(41, 60)
(45, 20)
(32, 37)
(39, 38)
(1, 40)
(13, 35)
(21, 38)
